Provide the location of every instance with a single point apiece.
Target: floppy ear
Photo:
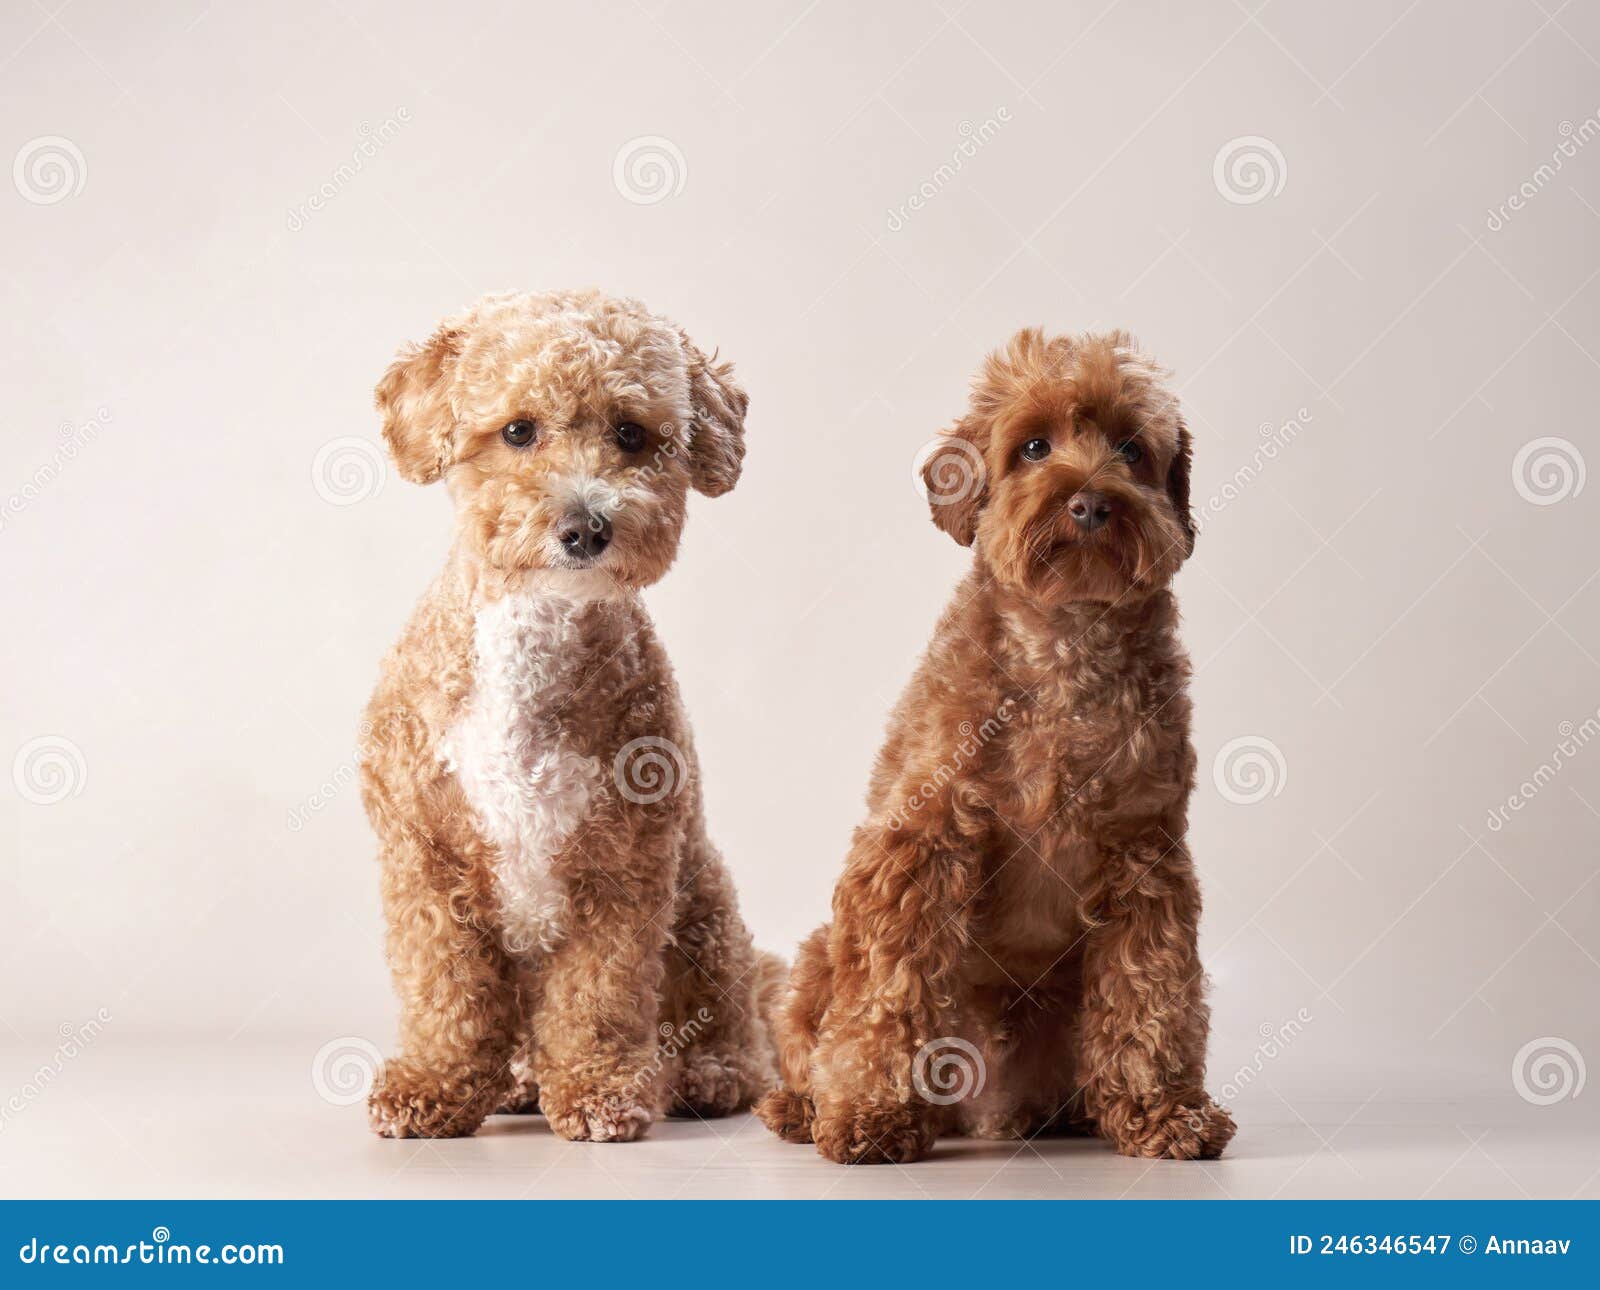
(956, 479)
(413, 396)
(717, 404)
(1178, 483)
(955, 475)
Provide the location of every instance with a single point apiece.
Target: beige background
(1396, 605)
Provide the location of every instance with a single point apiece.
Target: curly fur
(1021, 883)
(556, 911)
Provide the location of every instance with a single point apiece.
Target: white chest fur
(527, 786)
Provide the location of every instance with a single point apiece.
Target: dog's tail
(771, 978)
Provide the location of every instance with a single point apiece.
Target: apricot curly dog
(1012, 949)
(562, 934)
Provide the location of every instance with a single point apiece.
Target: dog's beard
(643, 544)
(1137, 551)
(520, 539)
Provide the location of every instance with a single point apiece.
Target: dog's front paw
(595, 1116)
(1196, 1130)
(410, 1102)
(874, 1133)
(786, 1113)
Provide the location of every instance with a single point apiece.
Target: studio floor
(196, 1120)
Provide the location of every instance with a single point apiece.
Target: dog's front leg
(1145, 1022)
(898, 933)
(458, 998)
(598, 1056)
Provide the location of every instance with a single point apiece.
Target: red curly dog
(1013, 946)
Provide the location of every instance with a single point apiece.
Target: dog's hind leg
(719, 996)
(523, 1099)
(788, 1109)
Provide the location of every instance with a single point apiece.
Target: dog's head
(1070, 470)
(569, 426)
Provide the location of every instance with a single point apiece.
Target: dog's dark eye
(1130, 452)
(519, 434)
(630, 437)
(1036, 449)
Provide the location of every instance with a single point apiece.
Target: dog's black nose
(1089, 510)
(585, 536)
